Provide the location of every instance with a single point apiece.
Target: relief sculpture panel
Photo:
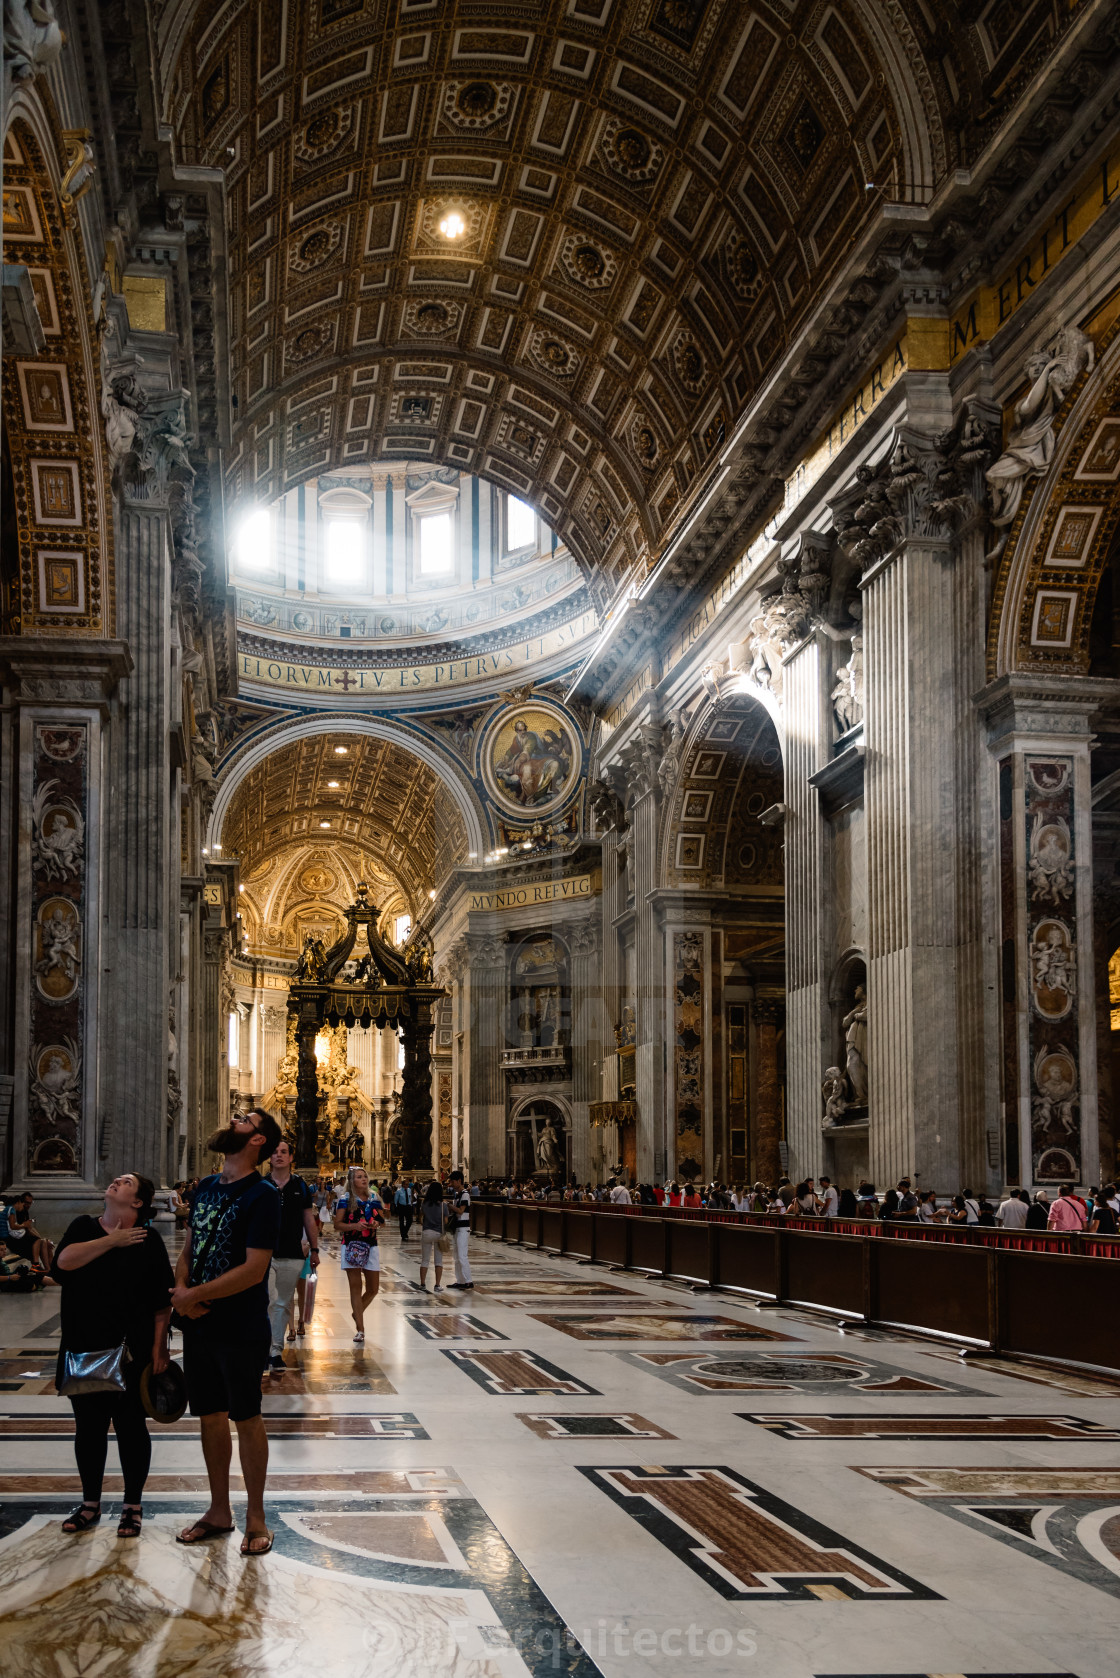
(1052, 971)
(57, 911)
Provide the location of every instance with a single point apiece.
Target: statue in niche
(548, 1149)
(626, 1034)
(1030, 447)
(835, 1091)
(855, 1036)
(847, 695)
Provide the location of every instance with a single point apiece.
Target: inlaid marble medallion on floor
(635, 1325)
(516, 1374)
(803, 1371)
(313, 1370)
(620, 1425)
(387, 1590)
(456, 1326)
(746, 1542)
(1069, 1518)
(853, 1425)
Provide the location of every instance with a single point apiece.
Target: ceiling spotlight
(453, 226)
(217, 847)
(241, 888)
(333, 783)
(324, 824)
(431, 894)
(341, 751)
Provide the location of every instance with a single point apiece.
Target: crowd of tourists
(1067, 1212)
(243, 1284)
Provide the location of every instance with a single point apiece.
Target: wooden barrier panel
(747, 1258)
(826, 1270)
(1044, 1304)
(940, 1288)
(611, 1239)
(647, 1243)
(687, 1251)
(1059, 1308)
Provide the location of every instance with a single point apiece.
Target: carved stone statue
(855, 1035)
(122, 403)
(847, 695)
(626, 1034)
(32, 37)
(548, 1149)
(1030, 448)
(784, 620)
(835, 1091)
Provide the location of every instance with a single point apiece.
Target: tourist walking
(221, 1296)
(402, 1206)
(115, 1277)
(357, 1213)
(433, 1225)
(298, 1231)
(460, 1229)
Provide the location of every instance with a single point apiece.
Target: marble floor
(572, 1471)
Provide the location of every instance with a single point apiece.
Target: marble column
(1039, 735)
(590, 1035)
(923, 958)
(486, 1097)
(143, 842)
(214, 1100)
(57, 718)
(656, 1154)
(806, 960)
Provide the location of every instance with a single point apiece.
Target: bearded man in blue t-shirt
(221, 1296)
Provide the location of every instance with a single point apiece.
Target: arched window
(346, 546)
(521, 525)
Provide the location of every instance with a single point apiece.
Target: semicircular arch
(255, 752)
(1051, 569)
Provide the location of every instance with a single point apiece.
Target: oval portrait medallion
(531, 759)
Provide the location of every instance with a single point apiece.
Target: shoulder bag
(94, 1372)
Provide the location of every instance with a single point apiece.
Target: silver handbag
(94, 1372)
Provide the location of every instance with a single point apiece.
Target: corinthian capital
(585, 937)
(931, 487)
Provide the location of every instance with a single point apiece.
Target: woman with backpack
(433, 1226)
(357, 1213)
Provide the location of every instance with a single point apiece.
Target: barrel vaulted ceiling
(369, 797)
(653, 193)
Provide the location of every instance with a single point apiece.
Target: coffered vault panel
(651, 194)
(387, 809)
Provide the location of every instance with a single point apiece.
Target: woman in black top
(116, 1279)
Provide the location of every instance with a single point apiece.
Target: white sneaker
(359, 1338)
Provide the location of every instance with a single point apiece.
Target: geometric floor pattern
(566, 1472)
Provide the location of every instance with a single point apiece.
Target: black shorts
(225, 1375)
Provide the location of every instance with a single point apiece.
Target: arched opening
(539, 1142)
(722, 850)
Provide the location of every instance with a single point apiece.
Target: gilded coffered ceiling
(343, 807)
(651, 196)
